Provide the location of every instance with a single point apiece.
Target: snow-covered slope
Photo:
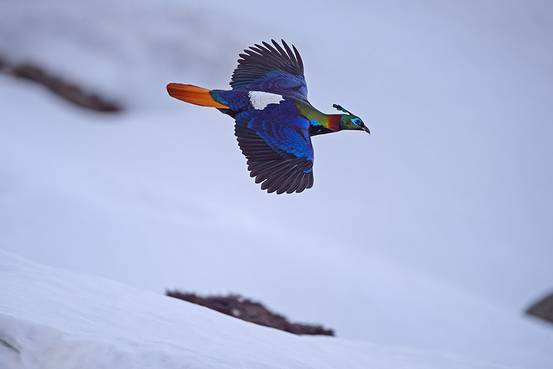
(53, 319)
(123, 49)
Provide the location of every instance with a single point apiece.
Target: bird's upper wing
(277, 146)
(271, 68)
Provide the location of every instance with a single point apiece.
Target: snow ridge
(52, 318)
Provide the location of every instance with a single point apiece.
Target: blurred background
(435, 232)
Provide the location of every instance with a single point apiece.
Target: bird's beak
(366, 129)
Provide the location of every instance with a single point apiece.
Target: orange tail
(193, 95)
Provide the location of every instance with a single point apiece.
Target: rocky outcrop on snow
(68, 90)
(251, 311)
(543, 308)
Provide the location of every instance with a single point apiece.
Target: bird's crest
(340, 108)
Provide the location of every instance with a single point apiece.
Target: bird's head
(350, 121)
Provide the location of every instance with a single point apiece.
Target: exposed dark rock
(543, 309)
(250, 311)
(63, 88)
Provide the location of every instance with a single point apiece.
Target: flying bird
(274, 121)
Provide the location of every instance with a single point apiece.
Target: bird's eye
(356, 121)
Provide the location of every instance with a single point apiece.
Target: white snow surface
(434, 233)
(52, 318)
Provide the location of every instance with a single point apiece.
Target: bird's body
(274, 119)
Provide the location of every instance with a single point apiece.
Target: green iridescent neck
(318, 118)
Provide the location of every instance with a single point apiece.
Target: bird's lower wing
(277, 147)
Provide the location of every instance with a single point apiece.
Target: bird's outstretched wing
(277, 146)
(271, 68)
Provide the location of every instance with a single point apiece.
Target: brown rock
(63, 88)
(250, 311)
(543, 309)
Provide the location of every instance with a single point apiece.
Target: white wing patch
(260, 99)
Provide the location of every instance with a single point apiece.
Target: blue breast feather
(279, 125)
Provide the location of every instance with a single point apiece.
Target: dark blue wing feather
(277, 145)
(271, 68)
